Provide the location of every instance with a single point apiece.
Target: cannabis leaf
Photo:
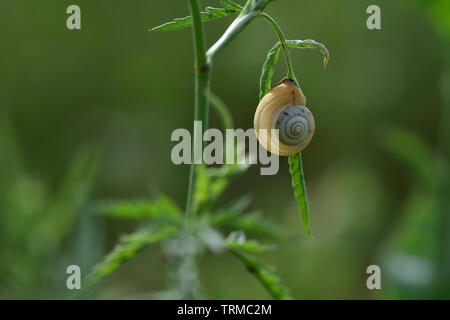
(160, 208)
(242, 250)
(272, 58)
(127, 248)
(251, 223)
(310, 44)
(298, 182)
(209, 14)
(295, 161)
(267, 70)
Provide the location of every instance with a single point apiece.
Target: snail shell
(283, 108)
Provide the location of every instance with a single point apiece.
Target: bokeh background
(87, 115)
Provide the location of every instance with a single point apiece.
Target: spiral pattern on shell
(294, 124)
(283, 108)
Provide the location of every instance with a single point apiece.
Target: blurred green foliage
(377, 169)
(37, 222)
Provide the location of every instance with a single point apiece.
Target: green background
(374, 169)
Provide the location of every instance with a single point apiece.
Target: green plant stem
(202, 81)
(250, 11)
(282, 38)
(203, 61)
(222, 110)
(187, 265)
(235, 28)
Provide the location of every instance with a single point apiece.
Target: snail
(283, 108)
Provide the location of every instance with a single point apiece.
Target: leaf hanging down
(161, 208)
(263, 273)
(267, 70)
(207, 15)
(272, 58)
(310, 44)
(298, 182)
(128, 247)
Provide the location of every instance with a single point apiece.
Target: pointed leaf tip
(311, 44)
(298, 183)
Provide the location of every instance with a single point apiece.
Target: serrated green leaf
(298, 182)
(222, 178)
(217, 187)
(310, 44)
(209, 189)
(249, 246)
(166, 205)
(161, 207)
(267, 70)
(263, 274)
(201, 192)
(128, 247)
(230, 5)
(211, 184)
(251, 223)
(272, 58)
(208, 15)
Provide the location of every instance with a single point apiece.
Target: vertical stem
(187, 269)
(202, 75)
(283, 45)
